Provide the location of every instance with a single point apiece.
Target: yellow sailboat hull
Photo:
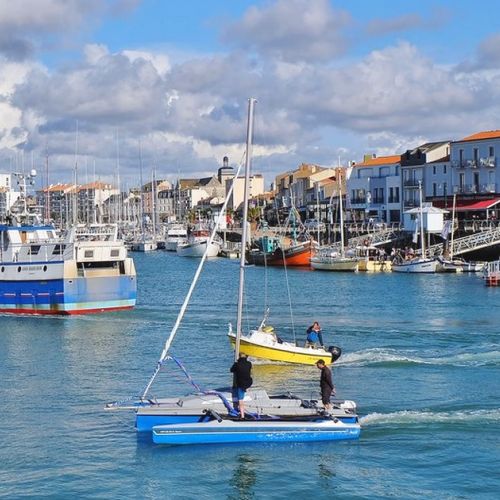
(280, 354)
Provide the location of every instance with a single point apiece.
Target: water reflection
(244, 477)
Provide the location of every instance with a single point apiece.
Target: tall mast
(47, 193)
(422, 239)
(342, 243)
(453, 224)
(75, 181)
(141, 208)
(248, 159)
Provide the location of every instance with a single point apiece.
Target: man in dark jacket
(326, 384)
(242, 380)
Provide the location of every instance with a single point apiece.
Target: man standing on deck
(242, 380)
(326, 384)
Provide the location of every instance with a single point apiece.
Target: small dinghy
(265, 429)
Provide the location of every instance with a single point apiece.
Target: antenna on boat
(248, 160)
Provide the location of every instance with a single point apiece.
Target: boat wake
(378, 356)
(415, 417)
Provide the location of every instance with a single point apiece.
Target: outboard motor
(335, 352)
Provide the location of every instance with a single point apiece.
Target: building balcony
(489, 162)
(393, 199)
(410, 204)
(358, 201)
(378, 201)
(412, 183)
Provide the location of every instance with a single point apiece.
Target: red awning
(478, 205)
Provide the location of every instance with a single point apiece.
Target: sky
(119, 87)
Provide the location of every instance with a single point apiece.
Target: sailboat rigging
(207, 416)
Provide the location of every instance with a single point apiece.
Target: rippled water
(420, 356)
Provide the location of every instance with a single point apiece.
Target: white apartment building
(474, 162)
(415, 172)
(374, 189)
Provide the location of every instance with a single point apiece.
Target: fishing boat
(272, 252)
(264, 430)
(85, 271)
(197, 409)
(264, 343)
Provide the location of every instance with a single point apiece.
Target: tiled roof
(380, 160)
(95, 185)
(488, 134)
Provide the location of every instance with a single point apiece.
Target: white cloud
(292, 30)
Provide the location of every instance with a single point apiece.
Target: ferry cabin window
(34, 249)
(115, 253)
(88, 254)
(58, 249)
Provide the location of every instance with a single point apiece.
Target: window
(462, 180)
(444, 169)
(34, 249)
(115, 253)
(434, 189)
(445, 189)
(88, 254)
(397, 195)
(491, 151)
(461, 156)
(434, 170)
(58, 249)
(476, 155)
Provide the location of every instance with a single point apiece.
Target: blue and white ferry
(85, 271)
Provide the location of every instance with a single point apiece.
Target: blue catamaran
(209, 416)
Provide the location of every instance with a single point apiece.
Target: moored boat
(415, 265)
(327, 262)
(492, 273)
(87, 271)
(176, 234)
(272, 253)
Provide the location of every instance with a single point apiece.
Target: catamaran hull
(68, 296)
(230, 431)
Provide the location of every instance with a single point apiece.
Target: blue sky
(332, 78)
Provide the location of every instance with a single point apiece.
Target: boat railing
(37, 251)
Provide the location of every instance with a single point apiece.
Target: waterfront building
(417, 168)
(374, 189)
(291, 187)
(256, 188)
(476, 180)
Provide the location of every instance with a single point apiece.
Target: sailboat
(420, 263)
(328, 260)
(208, 416)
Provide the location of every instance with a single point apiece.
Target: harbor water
(420, 357)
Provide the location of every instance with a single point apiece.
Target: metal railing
(476, 241)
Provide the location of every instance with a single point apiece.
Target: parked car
(314, 225)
